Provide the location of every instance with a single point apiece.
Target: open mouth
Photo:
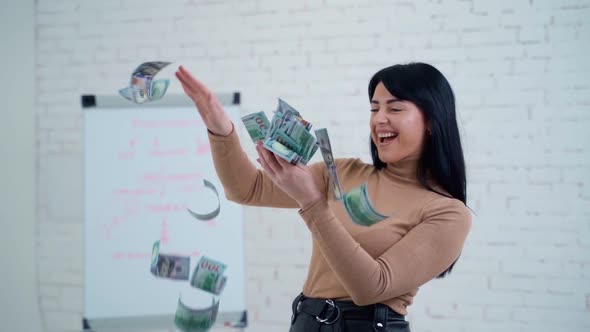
(385, 138)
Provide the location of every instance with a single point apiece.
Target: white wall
(520, 73)
(19, 308)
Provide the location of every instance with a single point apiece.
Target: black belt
(328, 311)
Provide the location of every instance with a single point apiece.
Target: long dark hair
(442, 156)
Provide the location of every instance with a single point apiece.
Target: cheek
(413, 132)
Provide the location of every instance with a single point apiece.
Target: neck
(403, 170)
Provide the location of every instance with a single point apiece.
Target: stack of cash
(142, 86)
(287, 136)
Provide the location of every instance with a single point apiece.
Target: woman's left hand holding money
(296, 180)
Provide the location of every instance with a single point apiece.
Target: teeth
(384, 135)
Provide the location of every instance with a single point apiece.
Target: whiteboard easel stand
(110, 101)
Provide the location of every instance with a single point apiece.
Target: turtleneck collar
(405, 171)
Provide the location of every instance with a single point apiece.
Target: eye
(373, 110)
(395, 110)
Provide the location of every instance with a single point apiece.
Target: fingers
(183, 78)
(268, 160)
(282, 162)
(185, 86)
(265, 167)
(188, 86)
(193, 84)
(197, 91)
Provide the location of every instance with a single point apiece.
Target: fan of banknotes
(142, 87)
(288, 136)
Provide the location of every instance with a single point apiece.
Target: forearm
(361, 275)
(242, 181)
(419, 256)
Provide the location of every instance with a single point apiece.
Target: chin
(388, 159)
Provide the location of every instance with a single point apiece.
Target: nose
(380, 117)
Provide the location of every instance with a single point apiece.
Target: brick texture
(519, 69)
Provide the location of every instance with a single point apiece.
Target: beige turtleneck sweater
(384, 263)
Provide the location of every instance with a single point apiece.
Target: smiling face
(398, 127)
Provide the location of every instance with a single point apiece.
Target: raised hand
(209, 107)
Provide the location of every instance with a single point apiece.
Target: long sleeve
(242, 182)
(422, 254)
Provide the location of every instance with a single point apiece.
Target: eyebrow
(389, 101)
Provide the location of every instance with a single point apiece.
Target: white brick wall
(520, 74)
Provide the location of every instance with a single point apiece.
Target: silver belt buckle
(327, 320)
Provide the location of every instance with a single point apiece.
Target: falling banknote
(208, 276)
(143, 87)
(359, 208)
(169, 266)
(195, 320)
(286, 135)
(212, 214)
(326, 149)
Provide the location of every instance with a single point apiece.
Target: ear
(428, 126)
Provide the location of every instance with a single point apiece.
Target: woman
(364, 278)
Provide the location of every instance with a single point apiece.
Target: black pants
(325, 315)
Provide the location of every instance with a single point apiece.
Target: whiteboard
(145, 166)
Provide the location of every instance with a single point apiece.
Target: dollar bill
(208, 276)
(127, 93)
(326, 150)
(281, 151)
(275, 124)
(141, 81)
(155, 255)
(294, 131)
(306, 125)
(287, 110)
(359, 207)
(134, 94)
(158, 88)
(305, 149)
(257, 125)
(169, 266)
(287, 141)
(212, 214)
(142, 86)
(304, 143)
(150, 68)
(284, 107)
(189, 319)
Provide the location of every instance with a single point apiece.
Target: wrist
(306, 203)
(223, 129)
